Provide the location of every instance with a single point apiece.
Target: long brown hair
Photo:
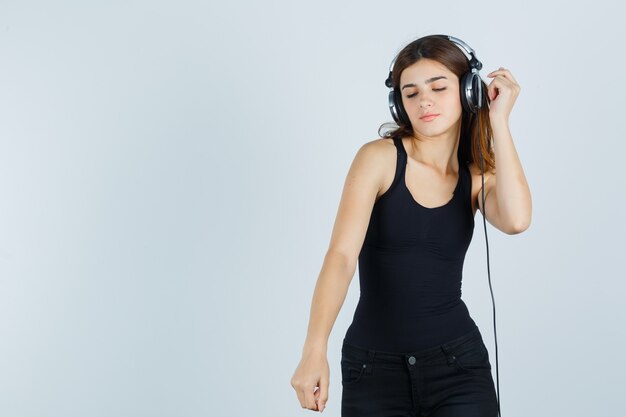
(476, 129)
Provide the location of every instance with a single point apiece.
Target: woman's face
(424, 91)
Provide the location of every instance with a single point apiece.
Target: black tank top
(410, 268)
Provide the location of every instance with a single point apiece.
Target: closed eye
(434, 89)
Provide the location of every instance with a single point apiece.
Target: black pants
(449, 380)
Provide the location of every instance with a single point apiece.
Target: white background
(170, 173)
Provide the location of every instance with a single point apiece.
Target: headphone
(471, 86)
(471, 89)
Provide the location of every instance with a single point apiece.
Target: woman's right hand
(310, 380)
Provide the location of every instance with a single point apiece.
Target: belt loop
(370, 361)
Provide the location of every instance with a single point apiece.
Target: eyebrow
(428, 81)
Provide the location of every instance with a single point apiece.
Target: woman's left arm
(509, 194)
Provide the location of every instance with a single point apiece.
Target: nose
(425, 101)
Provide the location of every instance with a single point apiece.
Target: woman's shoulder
(377, 158)
(377, 153)
(380, 146)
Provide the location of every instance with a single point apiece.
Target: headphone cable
(489, 274)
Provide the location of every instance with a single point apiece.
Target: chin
(433, 130)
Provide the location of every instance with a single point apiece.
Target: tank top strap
(400, 160)
(397, 140)
(466, 180)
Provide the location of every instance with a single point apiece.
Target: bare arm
(507, 194)
(361, 187)
(328, 298)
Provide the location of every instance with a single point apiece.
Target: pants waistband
(419, 354)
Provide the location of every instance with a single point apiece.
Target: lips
(429, 117)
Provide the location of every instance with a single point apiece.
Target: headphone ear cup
(477, 91)
(471, 92)
(393, 108)
(402, 117)
(465, 85)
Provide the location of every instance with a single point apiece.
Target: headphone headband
(465, 48)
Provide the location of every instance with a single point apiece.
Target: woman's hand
(312, 372)
(502, 91)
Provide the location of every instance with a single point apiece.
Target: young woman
(407, 216)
